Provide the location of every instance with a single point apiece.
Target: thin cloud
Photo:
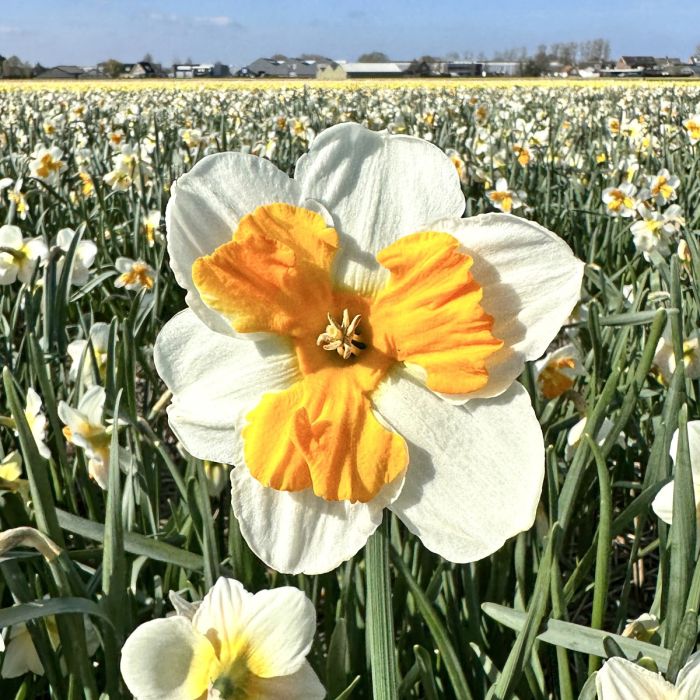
(4, 29)
(217, 21)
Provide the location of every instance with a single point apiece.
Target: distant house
(142, 69)
(635, 62)
(61, 73)
(93, 74)
(286, 68)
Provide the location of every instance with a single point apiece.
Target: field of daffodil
(350, 392)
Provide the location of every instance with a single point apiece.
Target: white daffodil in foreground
(663, 502)
(85, 429)
(665, 357)
(620, 679)
(233, 645)
(352, 344)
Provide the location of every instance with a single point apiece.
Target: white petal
(531, 282)
(166, 658)
(662, 504)
(279, 629)
(220, 614)
(688, 681)
(21, 656)
(64, 238)
(10, 237)
(300, 532)
(475, 472)
(216, 380)
(378, 188)
(302, 685)
(620, 679)
(92, 405)
(205, 207)
(693, 447)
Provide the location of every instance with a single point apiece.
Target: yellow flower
(352, 344)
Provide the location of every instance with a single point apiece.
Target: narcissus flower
(352, 344)
(232, 645)
(620, 679)
(620, 201)
(19, 256)
(663, 502)
(36, 420)
(557, 371)
(135, 274)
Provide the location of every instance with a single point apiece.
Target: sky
(84, 32)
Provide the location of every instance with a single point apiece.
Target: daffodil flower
(99, 337)
(10, 472)
(352, 344)
(83, 258)
(235, 644)
(662, 504)
(665, 356)
(620, 679)
(19, 256)
(557, 371)
(37, 422)
(85, 429)
(620, 201)
(135, 274)
(46, 164)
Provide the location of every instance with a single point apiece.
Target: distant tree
(373, 57)
(452, 56)
(697, 50)
(537, 64)
(148, 58)
(15, 67)
(112, 67)
(278, 57)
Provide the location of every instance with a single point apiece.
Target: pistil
(343, 337)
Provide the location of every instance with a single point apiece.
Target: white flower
(620, 201)
(99, 336)
(424, 417)
(234, 644)
(650, 234)
(575, 434)
(662, 504)
(37, 422)
(46, 164)
(84, 256)
(665, 358)
(85, 429)
(620, 679)
(19, 257)
(135, 274)
(662, 188)
(505, 199)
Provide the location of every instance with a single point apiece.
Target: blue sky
(87, 31)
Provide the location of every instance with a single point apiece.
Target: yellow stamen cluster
(342, 337)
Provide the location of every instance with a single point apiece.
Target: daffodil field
(461, 461)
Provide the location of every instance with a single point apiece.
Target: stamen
(343, 337)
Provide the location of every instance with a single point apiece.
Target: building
(373, 70)
(61, 73)
(142, 69)
(463, 69)
(635, 63)
(286, 67)
(502, 68)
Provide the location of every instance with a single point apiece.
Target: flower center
(343, 337)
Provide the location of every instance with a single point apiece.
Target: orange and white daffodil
(83, 258)
(557, 371)
(662, 504)
(665, 357)
(85, 429)
(662, 187)
(352, 344)
(19, 256)
(46, 164)
(135, 274)
(620, 200)
(503, 198)
(620, 679)
(36, 420)
(234, 644)
(692, 128)
(79, 352)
